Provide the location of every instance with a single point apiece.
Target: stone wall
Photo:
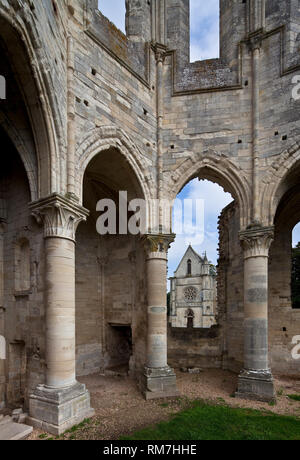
(194, 348)
(80, 89)
(283, 320)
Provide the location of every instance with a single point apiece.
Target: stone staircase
(12, 431)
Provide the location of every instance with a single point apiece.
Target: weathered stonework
(91, 112)
(193, 293)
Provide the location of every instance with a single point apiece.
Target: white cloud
(204, 29)
(114, 10)
(204, 25)
(215, 200)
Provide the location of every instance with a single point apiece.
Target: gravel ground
(121, 410)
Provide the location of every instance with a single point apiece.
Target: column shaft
(256, 313)
(157, 312)
(256, 381)
(61, 402)
(60, 312)
(159, 379)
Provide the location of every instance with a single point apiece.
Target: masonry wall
(205, 128)
(24, 307)
(283, 319)
(194, 348)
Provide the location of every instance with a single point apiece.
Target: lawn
(210, 422)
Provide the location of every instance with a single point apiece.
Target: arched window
(189, 267)
(22, 265)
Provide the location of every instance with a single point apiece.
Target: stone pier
(61, 402)
(255, 380)
(159, 380)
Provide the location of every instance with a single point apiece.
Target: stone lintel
(59, 214)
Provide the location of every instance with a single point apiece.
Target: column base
(256, 385)
(159, 383)
(57, 410)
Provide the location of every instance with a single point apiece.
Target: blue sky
(204, 25)
(214, 200)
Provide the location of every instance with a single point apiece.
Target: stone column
(256, 381)
(61, 402)
(159, 379)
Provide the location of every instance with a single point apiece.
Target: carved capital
(157, 243)
(256, 242)
(59, 215)
(160, 53)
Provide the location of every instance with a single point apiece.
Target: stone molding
(256, 242)
(59, 215)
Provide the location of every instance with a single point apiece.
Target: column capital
(160, 52)
(60, 216)
(256, 241)
(158, 243)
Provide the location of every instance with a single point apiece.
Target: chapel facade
(193, 292)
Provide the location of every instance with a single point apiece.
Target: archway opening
(110, 292)
(284, 311)
(193, 256)
(205, 288)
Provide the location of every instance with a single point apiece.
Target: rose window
(190, 293)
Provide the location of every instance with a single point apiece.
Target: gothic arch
(217, 168)
(19, 41)
(103, 138)
(275, 181)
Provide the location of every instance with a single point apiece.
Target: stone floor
(121, 409)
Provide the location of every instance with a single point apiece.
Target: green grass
(208, 422)
(294, 397)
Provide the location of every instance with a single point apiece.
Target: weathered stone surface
(91, 112)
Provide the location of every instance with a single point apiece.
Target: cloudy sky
(204, 235)
(204, 24)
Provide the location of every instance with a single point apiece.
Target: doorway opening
(119, 348)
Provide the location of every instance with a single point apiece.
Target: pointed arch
(18, 42)
(275, 182)
(103, 138)
(216, 168)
